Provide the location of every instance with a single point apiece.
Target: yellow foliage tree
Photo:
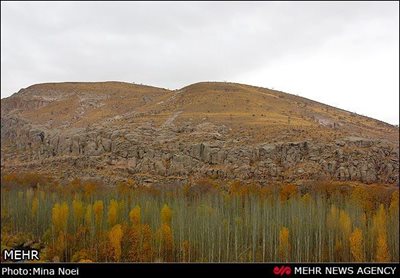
(135, 215)
(380, 230)
(166, 240)
(115, 237)
(135, 236)
(356, 245)
(60, 217)
(133, 241)
(140, 239)
(345, 223)
(379, 219)
(284, 245)
(382, 250)
(60, 245)
(113, 212)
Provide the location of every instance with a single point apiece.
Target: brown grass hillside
(257, 114)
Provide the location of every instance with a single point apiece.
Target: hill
(117, 130)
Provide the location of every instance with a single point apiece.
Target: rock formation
(229, 131)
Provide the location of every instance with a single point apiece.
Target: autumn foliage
(60, 217)
(284, 245)
(115, 237)
(357, 245)
(379, 226)
(135, 216)
(218, 223)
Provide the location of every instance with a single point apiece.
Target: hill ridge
(226, 129)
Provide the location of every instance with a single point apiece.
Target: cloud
(300, 47)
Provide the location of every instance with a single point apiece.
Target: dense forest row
(207, 221)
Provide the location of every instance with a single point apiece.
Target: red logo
(283, 270)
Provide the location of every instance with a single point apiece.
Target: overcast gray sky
(340, 53)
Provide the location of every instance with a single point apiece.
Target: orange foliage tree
(284, 244)
(356, 245)
(115, 237)
(287, 191)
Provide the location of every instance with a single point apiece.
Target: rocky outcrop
(143, 150)
(224, 130)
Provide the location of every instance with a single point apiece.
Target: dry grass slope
(257, 113)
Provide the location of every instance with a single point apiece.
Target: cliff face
(117, 130)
